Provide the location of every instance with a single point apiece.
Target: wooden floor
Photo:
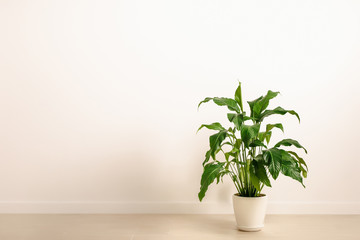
(159, 227)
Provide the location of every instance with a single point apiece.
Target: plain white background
(98, 100)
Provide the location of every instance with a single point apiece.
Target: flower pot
(249, 212)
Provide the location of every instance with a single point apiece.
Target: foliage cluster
(249, 161)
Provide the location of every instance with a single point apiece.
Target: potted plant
(247, 157)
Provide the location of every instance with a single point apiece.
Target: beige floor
(159, 227)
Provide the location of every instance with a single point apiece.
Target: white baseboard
(314, 208)
(173, 208)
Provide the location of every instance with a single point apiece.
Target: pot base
(250, 229)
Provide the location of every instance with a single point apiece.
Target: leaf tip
(200, 196)
(198, 130)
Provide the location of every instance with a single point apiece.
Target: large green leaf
(263, 103)
(293, 172)
(287, 159)
(289, 167)
(213, 126)
(279, 160)
(238, 97)
(211, 172)
(258, 105)
(215, 142)
(230, 103)
(273, 159)
(248, 133)
(278, 110)
(288, 142)
(276, 125)
(258, 168)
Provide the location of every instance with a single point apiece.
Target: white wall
(98, 100)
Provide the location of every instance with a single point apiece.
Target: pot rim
(261, 196)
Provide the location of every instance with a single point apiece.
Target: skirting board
(173, 208)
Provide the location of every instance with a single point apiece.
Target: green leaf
(273, 159)
(259, 157)
(215, 142)
(248, 133)
(252, 104)
(257, 143)
(254, 179)
(276, 125)
(230, 103)
(207, 157)
(279, 160)
(265, 136)
(289, 167)
(211, 172)
(303, 172)
(226, 143)
(221, 175)
(213, 126)
(234, 152)
(261, 136)
(258, 105)
(278, 110)
(268, 136)
(301, 160)
(234, 118)
(238, 97)
(289, 142)
(263, 103)
(221, 101)
(205, 101)
(238, 119)
(258, 168)
(293, 172)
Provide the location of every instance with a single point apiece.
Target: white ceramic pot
(250, 212)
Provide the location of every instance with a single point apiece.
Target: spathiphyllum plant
(248, 158)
